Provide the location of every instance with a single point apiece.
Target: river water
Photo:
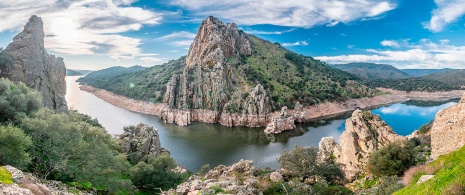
(198, 144)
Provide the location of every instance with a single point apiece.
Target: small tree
(392, 159)
(13, 146)
(301, 162)
(17, 101)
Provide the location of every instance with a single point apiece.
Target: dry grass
(415, 172)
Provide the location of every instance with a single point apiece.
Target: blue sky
(95, 34)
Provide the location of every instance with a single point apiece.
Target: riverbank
(310, 113)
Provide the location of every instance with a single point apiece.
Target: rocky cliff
(26, 60)
(209, 89)
(448, 130)
(365, 133)
(140, 142)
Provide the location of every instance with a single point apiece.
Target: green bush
(13, 146)
(17, 101)
(393, 159)
(388, 185)
(67, 148)
(301, 162)
(156, 174)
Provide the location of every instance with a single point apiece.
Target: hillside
(96, 76)
(412, 84)
(455, 78)
(422, 72)
(235, 71)
(372, 71)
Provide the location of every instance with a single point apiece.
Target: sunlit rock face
(26, 60)
(448, 130)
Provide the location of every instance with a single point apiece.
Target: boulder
(282, 122)
(140, 142)
(276, 177)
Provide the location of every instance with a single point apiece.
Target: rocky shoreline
(299, 114)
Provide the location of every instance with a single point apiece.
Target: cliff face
(364, 134)
(27, 61)
(448, 130)
(209, 88)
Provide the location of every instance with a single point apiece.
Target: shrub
(204, 170)
(17, 101)
(13, 146)
(388, 185)
(392, 159)
(5, 176)
(301, 162)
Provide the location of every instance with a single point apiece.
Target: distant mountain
(83, 72)
(230, 71)
(372, 71)
(455, 78)
(422, 72)
(70, 72)
(97, 76)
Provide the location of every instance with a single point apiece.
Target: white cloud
(350, 46)
(182, 43)
(390, 43)
(295, 13)
(178, 35)
(82, 26)
(448, 11)
(424, 54)
(298, 43)
(259, 32)
(151, 59)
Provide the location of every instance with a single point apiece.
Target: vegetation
(412, 84)
(17, 101)
(370, 71)
(70, 72)
(302, 163)
(14, 144)
(422, 72)
(393, 159)
(455, 78)
(5, 176)
(148, 84)
(156, 174)
(449, 176)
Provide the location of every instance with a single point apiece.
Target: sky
(96, 34)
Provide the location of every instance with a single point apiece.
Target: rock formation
(26, 60)
(364, 133)
(448, 130)
(141, 141)
(209, 90)
(239, 178)
(283, 122)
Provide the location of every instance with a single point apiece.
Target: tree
(301, 162)
(17, 101)
(393, 159)
(13, 146)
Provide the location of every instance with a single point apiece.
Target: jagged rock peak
(215, 42)
(140, 142)
(448, 130)
(26, 60)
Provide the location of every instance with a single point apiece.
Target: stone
(16, 174)
(29, 62)
(141, 139)
(14, 189)
(276, 177)
(448, 130)
(424, 178)
(282, 122)
(365, 133)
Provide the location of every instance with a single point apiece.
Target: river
(198, 144)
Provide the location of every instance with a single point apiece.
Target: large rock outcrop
(364, 133)
(26, 60)
(283, 122)
(448, 130)
(140, 142)
(209, 89)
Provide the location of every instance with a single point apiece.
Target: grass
(5, 176)
(450, 177)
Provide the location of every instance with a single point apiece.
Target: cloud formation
(390, 43)
(80, 27)
(296, 13)
(179, 39)
(260, 32)
(424, 54)
(298, 43)
(448, 11)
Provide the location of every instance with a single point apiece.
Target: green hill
(372, 71)
(449, 176)
(70, 72)
(422, 72)
(96, 76)
(455, 78)
(287, 77)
